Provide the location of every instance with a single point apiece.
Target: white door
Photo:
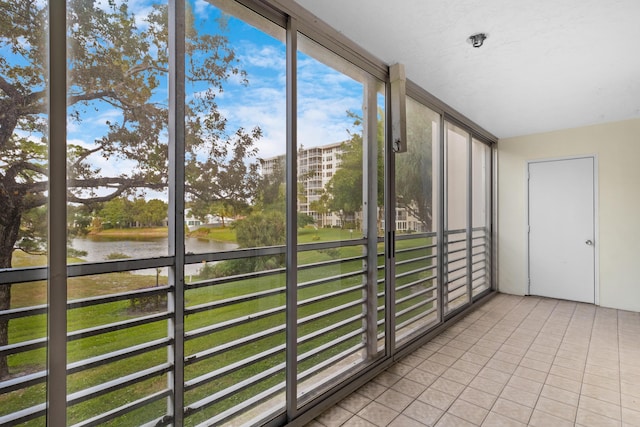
(562, 229)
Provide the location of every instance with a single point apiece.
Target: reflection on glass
(415, 181)
(481, 209)
(117, 132)
(381, 247)
(113, 314)
(117, 177)
(25, 331)
(23, 203)
(235, 200)
(456, 196)
(330, 147)
(331, 158)
(416, 187)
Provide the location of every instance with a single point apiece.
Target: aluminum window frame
(295, 20)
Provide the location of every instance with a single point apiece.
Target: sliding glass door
(239, 242)
(417, 180)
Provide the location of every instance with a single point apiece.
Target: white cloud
(80, 143)
(201, 8)
(325, 95)
(263, 56)
(111, 115)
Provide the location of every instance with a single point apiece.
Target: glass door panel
(481, 226)
(117, 316)
(24, 200)
(416, 181)
(337, 147)
(456, 276)
(235, 162)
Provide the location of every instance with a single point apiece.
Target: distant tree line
(117, 213)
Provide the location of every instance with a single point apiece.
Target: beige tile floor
(515, 361)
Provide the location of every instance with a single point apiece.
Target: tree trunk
(8, 237)
(5, 301)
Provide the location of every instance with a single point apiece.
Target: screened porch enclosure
(205, 221)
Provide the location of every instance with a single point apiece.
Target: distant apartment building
(316, 167)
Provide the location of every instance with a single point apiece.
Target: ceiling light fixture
(476, 40)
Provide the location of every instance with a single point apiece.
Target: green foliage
(255, 231)
(96, 225)
(117, 255)
(117, 213)
(261, 229)
(148, 303)
(124, 213)
(304, 220)
(150, 213)
(271, 195)
(34, 230)
(117, 64)
(343, 193)
(79, 219)
(76, 253)
(414, 181)
(221, 208)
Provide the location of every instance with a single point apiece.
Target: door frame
(596, 222)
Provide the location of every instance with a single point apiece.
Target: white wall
(617, 146)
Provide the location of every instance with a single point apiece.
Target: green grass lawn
(124, 233)
(226, 234)
(35, 327)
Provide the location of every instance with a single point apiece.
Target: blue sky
(324, 94)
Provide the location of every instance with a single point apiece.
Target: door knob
(589, 242)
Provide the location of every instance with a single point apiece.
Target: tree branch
(16, 168)
(145, 67)
(90, 96)
(118, 184)
(8, 88)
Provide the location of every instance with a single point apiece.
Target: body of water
(99, 248)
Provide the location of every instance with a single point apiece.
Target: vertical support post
(369, 210)
(470, 218)
(57, 217)
(398, 108)
(176, 207)
(292, 222)
(442, 224)
(390, 226)
(494, 218)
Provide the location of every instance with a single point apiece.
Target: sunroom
(273, 212)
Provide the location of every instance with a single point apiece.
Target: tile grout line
(528, 348)
(497, 322)
(488, 332)
(573, 314)
(488, 328)
(445, 411)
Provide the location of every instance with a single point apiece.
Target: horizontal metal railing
(124, 409)
(416, 285)
(480, 266)
(317, 333)
(329, 325)
(460, 279)
(122, 382)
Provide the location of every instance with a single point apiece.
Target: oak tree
(117, 63)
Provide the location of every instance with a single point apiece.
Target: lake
(98, 249)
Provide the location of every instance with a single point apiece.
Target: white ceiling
(546, 64)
